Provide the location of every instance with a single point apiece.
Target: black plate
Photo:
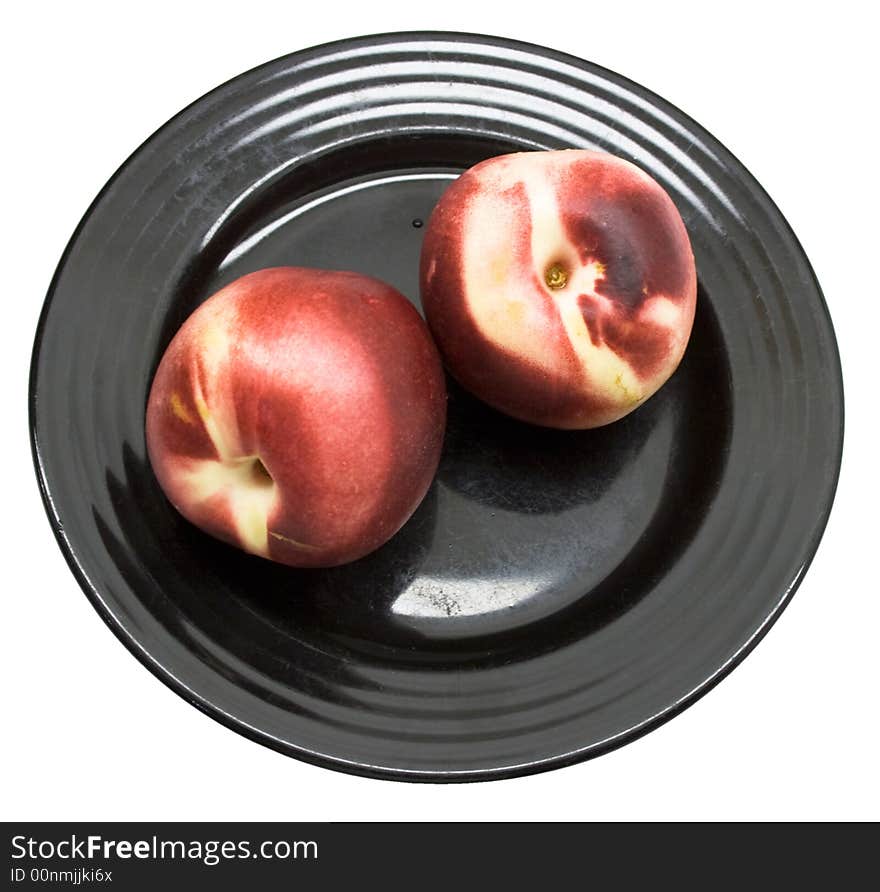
(557, 594)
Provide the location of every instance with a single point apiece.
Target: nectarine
(299, 415)
(560, 286)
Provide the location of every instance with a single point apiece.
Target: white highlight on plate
(440, 597)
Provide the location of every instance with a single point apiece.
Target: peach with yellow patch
(299, 414)
(560, 286)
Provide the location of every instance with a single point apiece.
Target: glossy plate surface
(557, 593)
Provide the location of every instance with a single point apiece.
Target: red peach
(299, 415)
(560, 286)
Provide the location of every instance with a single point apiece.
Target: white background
(791, 734)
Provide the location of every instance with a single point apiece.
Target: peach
(299, 414)
(560, 285)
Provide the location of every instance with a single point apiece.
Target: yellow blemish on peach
(212, 428)
(499, 269)
(202, 408)
(179, 409)
(516, 311)
(631, 397)
(251, 510)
